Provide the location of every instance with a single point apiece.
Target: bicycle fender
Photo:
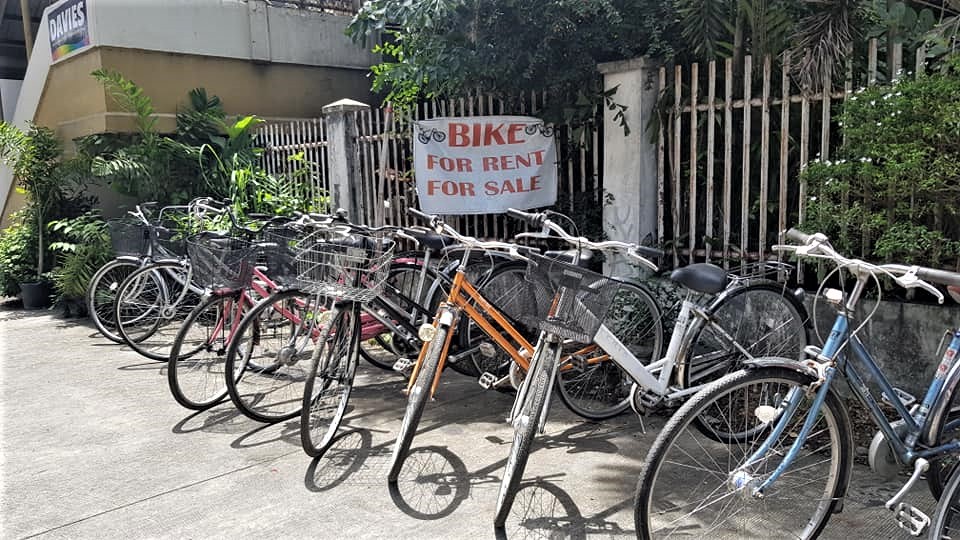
(940, 406)
(127, 258)
(777, 362)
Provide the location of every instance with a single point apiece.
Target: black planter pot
(35, 295)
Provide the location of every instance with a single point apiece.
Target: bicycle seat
(569, 255)
(702, 277)
(431, 241)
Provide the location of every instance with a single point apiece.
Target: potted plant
(34, 156)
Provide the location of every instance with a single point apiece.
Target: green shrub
(18, 253)
(84, 248)
(892, 192)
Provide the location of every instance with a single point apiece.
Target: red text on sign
(517, 185)
(485, 134)
(450, 188)
(449, 164)
(511, 162)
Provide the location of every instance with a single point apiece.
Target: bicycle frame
(458, 301)
(945, 380)
(657, 377)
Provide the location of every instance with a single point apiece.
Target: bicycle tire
(384, 349)
(149, 321)
(946, 519)
(197, 381)
(416, 400)
(782, 330)
(269, 357)
(334, 365)
(506, 289)
(525, 426)
(671, 469)
(101, 293)
(944, 466)
(601, 390)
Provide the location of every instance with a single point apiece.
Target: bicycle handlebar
(440, 227)
(633, 251)
(817, 246)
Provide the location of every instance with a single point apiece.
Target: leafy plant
(153, 167)
(18, 261)
(892, 193)
(34, 157)
(84, 248)
(510, 48)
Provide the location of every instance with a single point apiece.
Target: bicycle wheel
(946, 520)
(197, 381)
(416, 400)
(150, 307)
(525, 425)
(403, 283)
(268, 358)
(764, 318)
(328, 385)
(693, 485)
(593, 386)
(102, 291)
(942, 467)
(507, 290)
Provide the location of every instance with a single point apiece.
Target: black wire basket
(168, 243)
(129, 238)
(278, 251)
(348, 266)
(221, 262)
(571, 301)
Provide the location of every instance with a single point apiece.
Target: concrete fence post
(630, 161)
(343, 157)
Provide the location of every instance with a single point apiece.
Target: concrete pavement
(93, 446)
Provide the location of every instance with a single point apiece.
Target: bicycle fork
(547, 350)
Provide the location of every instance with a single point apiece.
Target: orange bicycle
(464, 299)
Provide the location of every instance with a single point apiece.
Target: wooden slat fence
(281, 141)
(731, 147)
(385, 157)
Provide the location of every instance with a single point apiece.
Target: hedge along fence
(733, 142)
(891, 192)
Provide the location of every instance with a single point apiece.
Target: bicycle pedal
(578, 363)
(487, 380)
(906, 398)
(911, 519)
(403, 365)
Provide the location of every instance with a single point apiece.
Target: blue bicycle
(766, 452)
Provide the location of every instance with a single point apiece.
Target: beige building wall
(74, 104)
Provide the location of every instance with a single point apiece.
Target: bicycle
(699, 359)
(793, 459)
(349, 263)
(269, 354)
(462, 299)
(135, 243)
(160, 294)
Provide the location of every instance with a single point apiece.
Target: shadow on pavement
(542, 509)
(432, 484)
(287, 432)
(223, 418)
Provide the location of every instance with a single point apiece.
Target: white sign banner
(484, 164)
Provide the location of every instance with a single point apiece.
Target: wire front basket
(278, 249)
(129, 238)
(578, 311)
(221, 262)
(351, 266)
(168, 243)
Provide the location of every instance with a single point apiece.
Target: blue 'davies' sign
(69, 30)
